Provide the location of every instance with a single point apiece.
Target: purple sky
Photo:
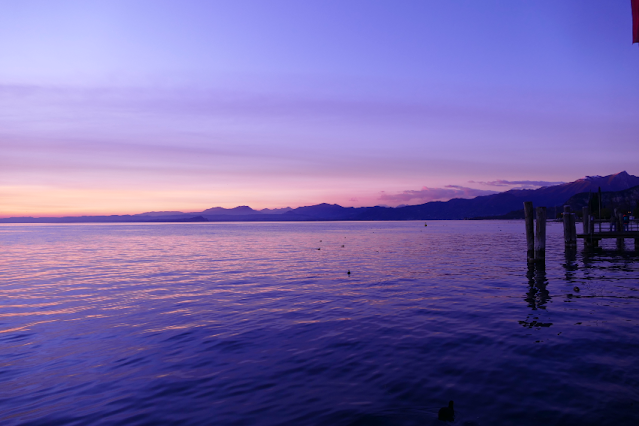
(131, 106)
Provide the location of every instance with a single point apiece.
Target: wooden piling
(540, 235)
(566, 218)
(620, 228)
(586, 219)
(530, 230)
(588, 240)
(570, 231)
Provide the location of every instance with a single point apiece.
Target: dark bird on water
(447, 414)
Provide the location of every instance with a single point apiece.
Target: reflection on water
(538, 294)
(571, 266)
(251, 324)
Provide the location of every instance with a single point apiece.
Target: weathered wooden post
(566, 218)
(620, 222)
(570, 232)
(540, 235)
(586, 226)
(530, 230)
(599, 199)
(586, 221)
(620, 228)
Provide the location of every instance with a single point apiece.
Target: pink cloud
(521, 184)
(426, 194)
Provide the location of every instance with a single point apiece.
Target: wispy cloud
(426, 194)
(521, 184)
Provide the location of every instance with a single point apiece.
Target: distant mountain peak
(621, 175)
(276, 211)
(234, 211)
(161, 213)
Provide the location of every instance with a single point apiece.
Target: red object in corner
(635, 21)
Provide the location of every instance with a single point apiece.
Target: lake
(261, 324)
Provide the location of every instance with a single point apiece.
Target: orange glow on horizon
(43, 201)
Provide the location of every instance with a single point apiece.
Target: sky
(118, 107)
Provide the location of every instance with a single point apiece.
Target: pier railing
(607, 225)
(619, 226)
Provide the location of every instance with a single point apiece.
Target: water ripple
(251, 324)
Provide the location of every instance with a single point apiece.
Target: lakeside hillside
(626, 200)
(502, 205)
(504, 202)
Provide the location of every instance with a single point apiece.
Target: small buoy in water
(425, 224)
(319, 248)
(348, 273)
(576, 289)
(447, 414)
(342, 245)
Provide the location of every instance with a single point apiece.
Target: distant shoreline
(616, 191)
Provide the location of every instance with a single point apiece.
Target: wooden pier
(535, 235)
(595, 230)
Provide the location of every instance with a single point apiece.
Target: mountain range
(504, 204)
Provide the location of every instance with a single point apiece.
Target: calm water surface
(260, 324)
